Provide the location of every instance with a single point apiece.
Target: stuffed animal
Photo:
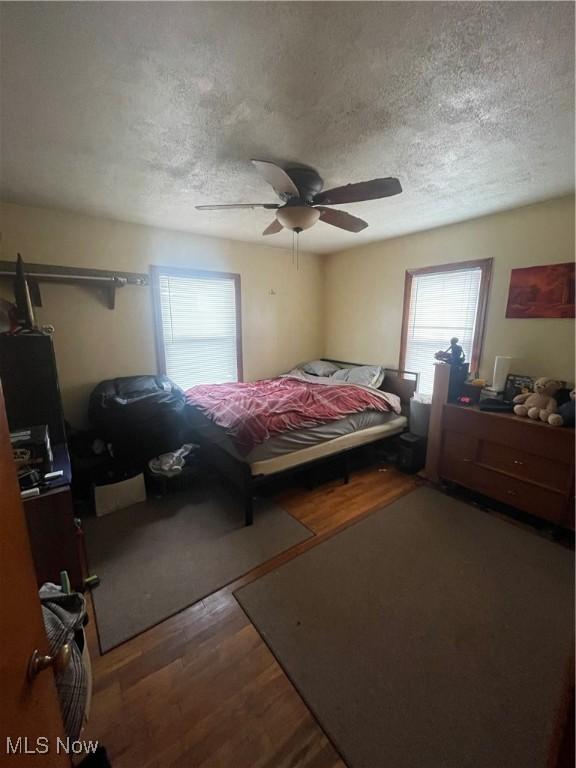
(540, 403)
(565, 417)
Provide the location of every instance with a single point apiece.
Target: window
(198, 327)
(441, 302)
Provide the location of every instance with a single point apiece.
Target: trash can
(420, 406)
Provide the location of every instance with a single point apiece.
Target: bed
(287, 441)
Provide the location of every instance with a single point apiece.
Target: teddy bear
(540, 403)
(566, 413)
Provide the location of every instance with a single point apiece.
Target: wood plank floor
(202, 690)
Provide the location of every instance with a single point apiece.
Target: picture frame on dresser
(517, 385)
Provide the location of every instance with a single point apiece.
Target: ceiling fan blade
(355, 193)
(233, 206)
(277, 178)
(341, 219)
(273, 228)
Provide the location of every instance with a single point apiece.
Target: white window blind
(199, 333)
(442, 305)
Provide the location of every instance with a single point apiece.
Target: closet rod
(50, 273)
(8, 268)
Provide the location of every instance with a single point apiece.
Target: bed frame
(238, 472)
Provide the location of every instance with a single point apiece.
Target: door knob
(58, 662)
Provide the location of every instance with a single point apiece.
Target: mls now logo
(22, 745)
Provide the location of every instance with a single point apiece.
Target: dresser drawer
(522, 495)
(518, 434)
(458, 446)
(458, 469)
(524, 465)
(517, 493)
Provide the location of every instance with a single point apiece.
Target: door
(29, 710)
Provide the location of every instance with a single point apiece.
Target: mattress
(298, 446)
(392, 426)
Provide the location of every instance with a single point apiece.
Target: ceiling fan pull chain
(297, 251)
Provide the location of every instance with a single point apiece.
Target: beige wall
(94, 343)
(364, 288)
(347, 305)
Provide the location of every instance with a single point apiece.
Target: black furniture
(32, 395)
(140, 416)
(411, 453)
(30, 382)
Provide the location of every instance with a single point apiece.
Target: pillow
(365, 375)
(319, 368)
(341, 374)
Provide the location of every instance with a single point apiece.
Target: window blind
(442, 305)
(199, 328)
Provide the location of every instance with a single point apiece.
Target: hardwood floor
(202, 690)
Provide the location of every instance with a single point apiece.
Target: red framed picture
(542, 291)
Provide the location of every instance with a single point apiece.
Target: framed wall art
(546, 291)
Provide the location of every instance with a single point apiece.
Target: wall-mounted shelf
(102, 279)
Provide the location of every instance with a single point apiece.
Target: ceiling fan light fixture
(297, 217)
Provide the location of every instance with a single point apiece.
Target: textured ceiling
(139, 111)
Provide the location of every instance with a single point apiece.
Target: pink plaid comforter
(253, 411)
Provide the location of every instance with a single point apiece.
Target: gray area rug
(428, 635)
(157, 558)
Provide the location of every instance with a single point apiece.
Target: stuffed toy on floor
(539, 404)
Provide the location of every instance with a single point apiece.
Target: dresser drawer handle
(516, 461)
(511, 493)
(467, 460)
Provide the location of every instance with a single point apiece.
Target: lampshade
(297, 217)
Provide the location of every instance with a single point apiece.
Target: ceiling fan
(305, 203)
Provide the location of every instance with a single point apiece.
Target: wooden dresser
(55, 540)
(524, 463)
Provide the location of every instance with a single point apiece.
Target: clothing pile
(172, 463)
(64, 617)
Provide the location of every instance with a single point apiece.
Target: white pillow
(319, 368)
(341, 374)
(365, 375)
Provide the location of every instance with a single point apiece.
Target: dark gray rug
(429, 635)
(158, 557)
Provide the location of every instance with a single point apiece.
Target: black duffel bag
(140, 416)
